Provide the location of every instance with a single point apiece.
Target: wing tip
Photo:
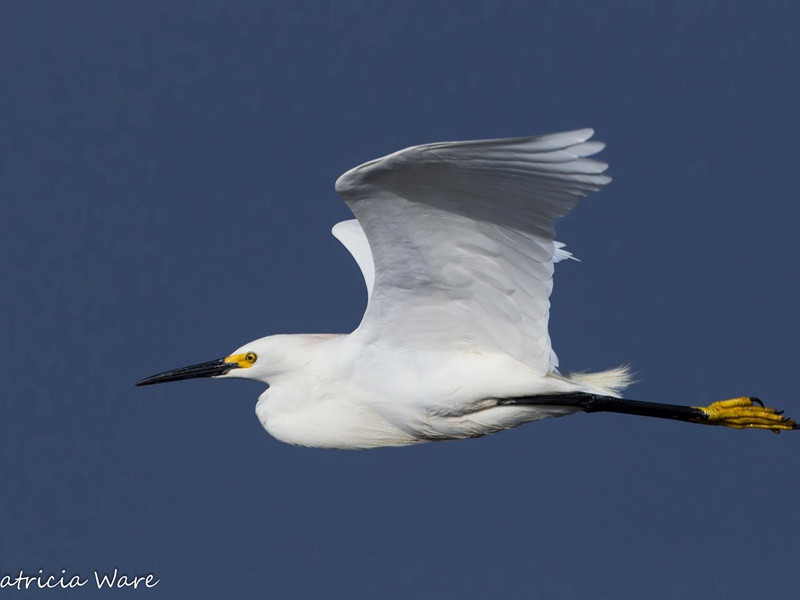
(578, 142)
(574, 146)
(585, 132)
(577, 135)
(341, 228)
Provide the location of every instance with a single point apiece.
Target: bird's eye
(250, 357)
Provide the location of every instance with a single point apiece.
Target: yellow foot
(745, 413)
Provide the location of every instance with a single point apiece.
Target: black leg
(739, 413)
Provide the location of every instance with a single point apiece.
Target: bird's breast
(329, 421)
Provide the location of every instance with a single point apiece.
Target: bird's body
(456, 245)
(349, 391)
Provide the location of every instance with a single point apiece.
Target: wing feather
(352, 237)
(461, 238)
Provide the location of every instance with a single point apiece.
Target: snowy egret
(456, 244)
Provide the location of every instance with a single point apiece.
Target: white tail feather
(610, 382)
(560, 254)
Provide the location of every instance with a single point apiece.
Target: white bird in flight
(456, 244)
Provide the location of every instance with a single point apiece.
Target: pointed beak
(213, 368)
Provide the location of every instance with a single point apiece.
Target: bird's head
(247, 362)
(264, 359)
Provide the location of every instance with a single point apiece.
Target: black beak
(213, 368)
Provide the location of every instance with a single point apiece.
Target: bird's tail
(610, 382)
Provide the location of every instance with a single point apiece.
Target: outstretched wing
(461, 237)
(353, 238)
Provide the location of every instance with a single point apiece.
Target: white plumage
(461, 236)
(455, 242)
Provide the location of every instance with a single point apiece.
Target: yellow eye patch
(243, 361)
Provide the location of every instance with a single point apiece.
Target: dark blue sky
(166, 177)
